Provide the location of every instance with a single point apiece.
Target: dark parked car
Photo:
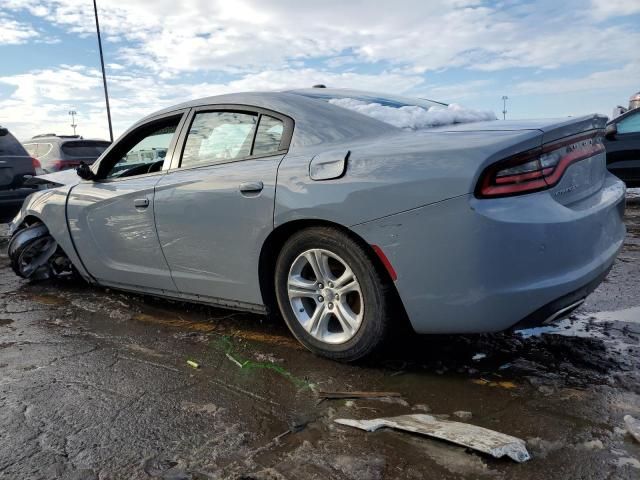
(15, 163)
(61, 152)
(623, 147)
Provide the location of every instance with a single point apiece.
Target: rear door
(111, 218)
(214, 208)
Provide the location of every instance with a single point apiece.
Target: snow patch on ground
(633, 193)
(414, 117)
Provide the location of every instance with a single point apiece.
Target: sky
(551, 58)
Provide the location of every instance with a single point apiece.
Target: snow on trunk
(414, 117)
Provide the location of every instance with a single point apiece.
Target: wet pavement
(95, 384)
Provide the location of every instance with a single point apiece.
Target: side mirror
(84, 172)
(611, 131)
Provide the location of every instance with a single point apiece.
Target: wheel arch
(275, 241)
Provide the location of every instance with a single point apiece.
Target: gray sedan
(325, 205)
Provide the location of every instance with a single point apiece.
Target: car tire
(28, 243)
(353, 317)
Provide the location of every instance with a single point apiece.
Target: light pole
(504, 107)
(73, 114)
(104, 76)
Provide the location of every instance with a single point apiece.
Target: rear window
(10, 146)
(84, 149)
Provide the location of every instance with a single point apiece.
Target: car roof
(316, 121)
(625, 115)
(62, 138)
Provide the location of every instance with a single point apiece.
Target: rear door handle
(141, 202)
(251, 187)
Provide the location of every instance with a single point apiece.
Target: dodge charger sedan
(346, 211)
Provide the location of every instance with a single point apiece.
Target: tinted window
(630, 124)
(268, 136)
(148, 153)
(10, 146)
(219, 137)
(394, 101)
(83, 149)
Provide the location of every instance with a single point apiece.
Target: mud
(94, 384)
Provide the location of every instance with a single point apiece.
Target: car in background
(15, 164)
(62, 152)
(622, 142)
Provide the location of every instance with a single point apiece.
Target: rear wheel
(331, 295)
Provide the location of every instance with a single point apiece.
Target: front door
(111, 218)
(215, 208)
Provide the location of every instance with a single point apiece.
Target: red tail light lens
(36, 164)
(537, 169)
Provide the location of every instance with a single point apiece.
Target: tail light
(537, 169)
(37, 166)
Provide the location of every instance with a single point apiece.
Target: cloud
(603, 9)
(41, 99)
(250, 35)
(624, 79)
(13, 32)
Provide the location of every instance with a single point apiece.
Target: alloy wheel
(325, 296)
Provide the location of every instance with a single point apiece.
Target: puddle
(49, 299)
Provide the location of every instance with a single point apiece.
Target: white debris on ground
(413, 117)
(633, 193)
(477, 438)
(633, 426)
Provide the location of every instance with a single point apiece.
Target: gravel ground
(94, 384)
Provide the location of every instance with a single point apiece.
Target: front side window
(268, 136)
(144, 151)
(217, 137)
(630, 124)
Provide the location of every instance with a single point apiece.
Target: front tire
(331, 295)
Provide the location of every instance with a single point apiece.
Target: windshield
(385, 100)
(401, 112)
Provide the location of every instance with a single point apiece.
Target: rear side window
(10, 146)
(31, 149)
(217, 137)
(268, 136)
(83, 149)
(630, 124)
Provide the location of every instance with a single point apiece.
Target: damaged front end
(36, 255)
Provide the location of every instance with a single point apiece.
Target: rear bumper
(470, 266)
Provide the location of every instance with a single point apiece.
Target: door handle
(251, 187)
(141, 202)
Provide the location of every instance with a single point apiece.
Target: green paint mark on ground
(225, 344)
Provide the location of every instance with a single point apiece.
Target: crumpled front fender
(49, 207)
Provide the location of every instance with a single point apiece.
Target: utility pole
(504, 107)
(104, 76)
(73, 114)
